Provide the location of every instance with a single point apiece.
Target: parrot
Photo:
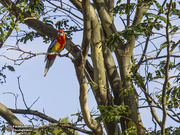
(57, 45)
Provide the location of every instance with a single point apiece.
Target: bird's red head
(61, 33)
(61, 37)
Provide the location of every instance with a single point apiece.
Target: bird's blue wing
(52, 45)
(50, 48)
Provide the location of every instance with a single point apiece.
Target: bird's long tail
(48, 65)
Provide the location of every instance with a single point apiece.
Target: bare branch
(34, 102)
(29, 54)
(170, 115)
(164, 56)
(174, 114)
(15, 96)
(64, 9)
(22, 93)
(34, 112)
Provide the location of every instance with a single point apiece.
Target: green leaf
(11, 68)
(163, 18)
(18, 5)
(93, 84)
(1, 7)
(32, 14)
(163, 45)
(158, 5)
(12, 17)
(17, 28)
(174, 30)
(1, 25)
(4, 9)
(173, 4)
(22, 9)
(157, 16)
(23, 4)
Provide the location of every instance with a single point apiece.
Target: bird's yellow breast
(58, 47)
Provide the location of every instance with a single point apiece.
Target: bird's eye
(60, 33)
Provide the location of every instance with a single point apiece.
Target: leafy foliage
(110, 113)
(3, 126)
(62, 24)
(2, 75)
(130, 131)
(34, 7)
(124, 37)
(7, 24)
(169, 131)
(32, 35)
(55, 130)
(173, 92)
(124, 8)
(160, 73)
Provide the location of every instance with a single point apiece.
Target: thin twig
(15, 96)
(22, 93)
(155, 124)
(34, 102)
(64, 10)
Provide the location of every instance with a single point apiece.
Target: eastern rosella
(57, 45)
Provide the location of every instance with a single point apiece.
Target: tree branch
(149, 100)
(170, 115)
(39, 26)
(9, 116)
(80, 71)
(34, 112)
(22, 93)
(64, 10)
(115, 83)
(64, 126)
(100, 91)
(166, 73)
(90, 122)
(39, 114)
(77, 4)
(137, 20)
(87, 28)
(110, 8)
(106, 19)
(164, 56)
(15, 96)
